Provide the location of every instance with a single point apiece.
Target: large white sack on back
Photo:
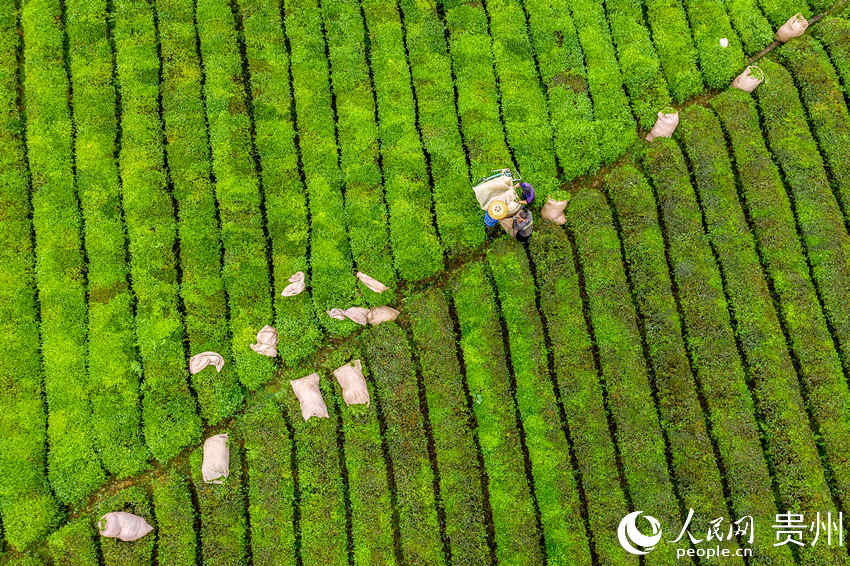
(216, 465)
(204, 359)
(373, 284)
(350, 378)
(377, 315)
(266, 342)
(123, 526)
(296, 285)
(485, 192)
(310, 396)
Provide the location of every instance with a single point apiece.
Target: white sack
(745, 81)
(553, 211)
(485, 192)
(204, 359)
(266, 342)
(310, 396)
(216, 464)
(373, 284)
(355, 314)
(296, 285)
(123, 526)
(377, 315)
(794, 27)
(664, 126)
(350, 378)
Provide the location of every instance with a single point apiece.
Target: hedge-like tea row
(321, 503)
(21, 560)
(614, 121)
(393, 379)
(368, 481)
(524, 106)
(175, 517)
(245, 271)
(642, 75)
(73, 544)
(286, 211)
(581, 394)
(624, 371)
(416, 248)
(202, 287)
(672, 37)
(270, 493)
(113, 381)
(168, 410)
(562, 69)
(330, 256)
(455, 436)
(495, 411)
(222, 509)
(710, 340)
(134, 500)
(458, 217)
(815, 207)
(710, 23)
(358, 143)
(27, 507)
(777, 240)
(796, 465)
(557, 496)
(825, 105)
(752, 26)
(778, 11)
(834, 34)
(679, 404)
(72, 464)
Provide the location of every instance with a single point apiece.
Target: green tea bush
(778, 11)
(202, 287)
(772, 221)
(557, 496)
(116, 552)
(330, 255)
(710, 23)
(455, 439)
(710, 339)
(395, 385)
(834, 34)
(72, 464)
(416, 248)
(168, 409)
(676, 50)
(73, 544)
(490, 387)
(175, 516)
(27, 506)
(458, 216)
(752, 26)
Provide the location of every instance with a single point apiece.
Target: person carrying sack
(520, 225)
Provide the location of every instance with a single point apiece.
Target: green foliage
(678, 401)
(222, 510)
(416, 249)
(72, 464)
(458, 217)
(817, 212)
(676, 49)
(175, 517)
(271, 493)
(772, 220)
(752, 26)
(495, 411)
(394, 384)
(710, 340)
(286, 211)
(117, 552)
(778, 11)
(73, 544)
(202, 288)
(709, 23)
(453, 424)
(245, 271)
(168, 410)
(789, 439)
(112, 374)
(554, 483)
(27, 506)
(834, 34)
(581, 393)
(624, 371)
(332, 283)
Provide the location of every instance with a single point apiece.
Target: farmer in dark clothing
(523, 224)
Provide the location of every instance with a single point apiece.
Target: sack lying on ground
(204, 359)
(664, 126)
(350, 378)
(377, 315)
(749, 79)
(310, 396)
(266, 342)
(296, 285)
(354, 314)
(553, 211)
(371, 283)
(794, 27)
(123, 526)
(216, 464)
